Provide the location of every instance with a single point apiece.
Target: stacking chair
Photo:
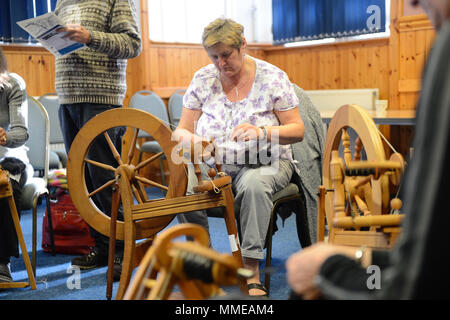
(58, 154)
(175, 106)
(150, 102)
(38, 154)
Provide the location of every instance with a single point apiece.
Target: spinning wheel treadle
(356, 194)
(143, 218)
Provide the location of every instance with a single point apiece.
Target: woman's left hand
(246, 132)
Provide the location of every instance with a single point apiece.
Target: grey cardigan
(13, 106)
(308, 155)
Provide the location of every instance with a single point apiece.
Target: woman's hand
(77, 33)
(246, 132)
(2, 136)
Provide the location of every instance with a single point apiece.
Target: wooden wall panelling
(361, 64)
(35, 65)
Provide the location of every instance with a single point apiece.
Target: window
(12, 11)
(184, 20)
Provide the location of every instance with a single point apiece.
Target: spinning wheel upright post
(355, 198)
(143, 218)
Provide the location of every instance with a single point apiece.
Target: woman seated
(13, 157)
(249, 108)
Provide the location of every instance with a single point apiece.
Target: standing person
(93, 80)
(416, 267)
(240, 101)
(13, 157)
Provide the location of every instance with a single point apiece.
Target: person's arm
(17, 134)
(185, 131)
(122, 41)
(304, 267)
(290, 130)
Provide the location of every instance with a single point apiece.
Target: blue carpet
(54, 274)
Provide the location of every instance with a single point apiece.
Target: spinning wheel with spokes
(356, 194)
(143, 217)
(78, 159)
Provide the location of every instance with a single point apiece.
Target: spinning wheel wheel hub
(129, 169)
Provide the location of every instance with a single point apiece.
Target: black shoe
(117, 268)
(5, 274)
(90, 261)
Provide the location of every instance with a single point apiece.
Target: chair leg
(34, 236)
(269, 252)
(50, 223)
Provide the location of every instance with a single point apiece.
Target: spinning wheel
(196, 269)
(143, 218)
(78, 158)
(356, 194)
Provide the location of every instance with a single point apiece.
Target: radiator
(326, 100)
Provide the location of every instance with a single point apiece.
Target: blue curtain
(12, 11)
(299, 20)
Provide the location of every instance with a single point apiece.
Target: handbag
(71, 233)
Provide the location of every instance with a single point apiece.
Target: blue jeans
(72, 117)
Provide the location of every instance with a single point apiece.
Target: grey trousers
(253, 189)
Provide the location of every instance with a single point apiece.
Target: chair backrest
(39, 137)
(51, 103)
(150, 102)
(175, 107)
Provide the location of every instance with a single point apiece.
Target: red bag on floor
(70, 232)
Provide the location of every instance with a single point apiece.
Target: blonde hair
(4, 76)
(224, 31)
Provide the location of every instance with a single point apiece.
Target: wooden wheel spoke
(140, 195)
(147, 161)
(152, 183)
(101, 165)
(113, 148)
(106, 185)
(133, 145)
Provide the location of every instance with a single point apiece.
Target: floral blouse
(271, 90)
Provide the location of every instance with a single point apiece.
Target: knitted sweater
(97, 73)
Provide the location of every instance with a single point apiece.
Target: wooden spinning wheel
(356, 194)
(196, 269)
(78, 158)
(143, 218)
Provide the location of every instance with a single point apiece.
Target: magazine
(43, 29)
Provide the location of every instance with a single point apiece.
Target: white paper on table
(43, 29)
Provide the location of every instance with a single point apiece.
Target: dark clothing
(72, 117)
(9, 244)
(417, 265)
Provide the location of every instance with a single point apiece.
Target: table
(390, 117)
